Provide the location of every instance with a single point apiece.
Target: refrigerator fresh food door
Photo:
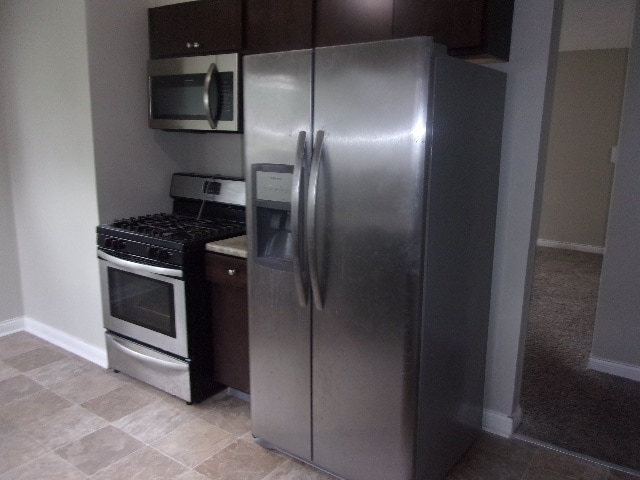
(371, 114)
(277, 99)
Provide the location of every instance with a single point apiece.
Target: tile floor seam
(53, 450)
(528, 467)
(116, 462)
(174, 459)
(221, 409)
(171, 458)
(71, 399)
(35, 459)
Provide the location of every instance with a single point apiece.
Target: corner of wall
(12, 325)
(624, 370)
(68, 342)
(499, 423)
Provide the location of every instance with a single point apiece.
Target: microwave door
(211, 96)
(194, 93)
(176, 101)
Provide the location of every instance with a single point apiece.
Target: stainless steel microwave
(194, 93)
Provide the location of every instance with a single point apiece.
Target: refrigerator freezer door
(371, 102)
(277, 98)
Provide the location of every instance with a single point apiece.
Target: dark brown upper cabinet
(475, 29)
(278, 25)
(200, 27)
(353, 21)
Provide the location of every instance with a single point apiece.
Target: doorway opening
(563, 402)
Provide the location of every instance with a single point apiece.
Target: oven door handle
(141, 267)
(175, 365)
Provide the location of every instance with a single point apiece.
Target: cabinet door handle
(232, 271)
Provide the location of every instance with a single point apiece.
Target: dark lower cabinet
(227, 277)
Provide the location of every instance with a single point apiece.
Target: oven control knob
(120, 244)
(163, 254)
(108, 242)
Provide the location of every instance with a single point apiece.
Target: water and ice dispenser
(271, 203)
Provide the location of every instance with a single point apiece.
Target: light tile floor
(62, 417)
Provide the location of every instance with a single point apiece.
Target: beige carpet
(563, 403)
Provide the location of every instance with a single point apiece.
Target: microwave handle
(211, 92)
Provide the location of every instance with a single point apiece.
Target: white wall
(47, 134)
(76, 151)
(11, 306)
(617, 330)
(133, 163)
(596, 24)
(216, 153)
(534, 39)
(587, 103)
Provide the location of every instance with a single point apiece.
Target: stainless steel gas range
(154, 296)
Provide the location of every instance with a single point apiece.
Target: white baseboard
(68, 342)
(13, 325)
(499, 423)
(625, 370)
(238, 394)
(578, 247)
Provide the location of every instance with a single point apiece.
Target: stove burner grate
(180, 227)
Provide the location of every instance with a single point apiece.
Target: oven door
(144, 302)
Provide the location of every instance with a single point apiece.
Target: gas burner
(180, 227)
(178, 238)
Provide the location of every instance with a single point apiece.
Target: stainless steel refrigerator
(372, 174)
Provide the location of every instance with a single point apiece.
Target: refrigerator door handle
(312, 240)
(297, 195)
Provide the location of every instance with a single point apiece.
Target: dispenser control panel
(273, 240)
(273, 186)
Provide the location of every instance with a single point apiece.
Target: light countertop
(235, 246)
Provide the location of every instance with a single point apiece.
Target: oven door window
(142, 301)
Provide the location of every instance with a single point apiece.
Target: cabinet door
(469, 28)
(227, 278)
(278, 25)
(195, 28)
(353, 21)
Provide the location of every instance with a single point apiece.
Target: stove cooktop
(205, 209)
(180, 228)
